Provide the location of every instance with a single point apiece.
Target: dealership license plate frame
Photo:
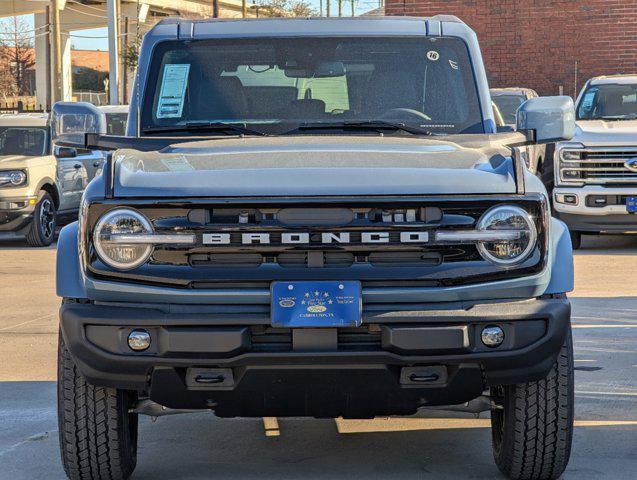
(316, 304)
(631, 204)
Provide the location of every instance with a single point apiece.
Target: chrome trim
(152, 239)
(474, 236)
(617, 156)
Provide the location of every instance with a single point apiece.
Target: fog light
(139, 340)
(567, 198)
(492, 336)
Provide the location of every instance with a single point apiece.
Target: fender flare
(68, 273)
(561, 259)
(50, 181)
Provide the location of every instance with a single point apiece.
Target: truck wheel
(576, 239)
(532, 435)
(42, 230)
(98, 435)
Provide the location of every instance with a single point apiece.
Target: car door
(72, 179)
(92, 161)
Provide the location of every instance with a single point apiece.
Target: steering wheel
(404, 114)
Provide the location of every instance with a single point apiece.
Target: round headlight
(17, 178)
(519, 235)
(110, 241)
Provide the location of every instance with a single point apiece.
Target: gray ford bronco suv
(316, 217)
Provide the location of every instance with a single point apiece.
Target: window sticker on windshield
(587, 102)
(177, 164)
(433, 55)
(173, 91)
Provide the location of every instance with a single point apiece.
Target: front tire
(42, 230)
(98, 435)
(532, 435)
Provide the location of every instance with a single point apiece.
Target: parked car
(317, 218)
(116, 118)
(508, 100)
(596, 171)
(39, 188)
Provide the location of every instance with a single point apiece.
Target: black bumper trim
(133, 371)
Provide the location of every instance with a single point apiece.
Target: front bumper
(400, 361)
(609, 216)
(16, 215)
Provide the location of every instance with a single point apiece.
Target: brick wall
(536, 43)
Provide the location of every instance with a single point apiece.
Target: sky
(96, 39)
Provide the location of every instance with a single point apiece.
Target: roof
(93, 59)
(24, 120)
(304, 26)
(495, 92)
(607, 79)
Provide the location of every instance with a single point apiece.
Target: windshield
(609, 101)
(264, 84)
(508, 106)
(116, 123)
(29, 141)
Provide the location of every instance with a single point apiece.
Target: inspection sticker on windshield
(173, 91)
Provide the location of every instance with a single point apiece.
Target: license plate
(316, 304)
(631, 204)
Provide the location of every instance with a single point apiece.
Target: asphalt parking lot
(202, 446)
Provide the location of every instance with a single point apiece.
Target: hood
(14, 161)
(605, 132)
(312, 166)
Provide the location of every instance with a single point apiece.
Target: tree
(287, 8)
(17, 57)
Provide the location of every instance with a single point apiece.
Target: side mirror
(71, 121)
(65, 152)
(547, 119)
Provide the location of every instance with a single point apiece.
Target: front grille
(393, 262)
(600, 166)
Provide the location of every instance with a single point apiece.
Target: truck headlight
(116, 238)
(518, 230)
(13, 178)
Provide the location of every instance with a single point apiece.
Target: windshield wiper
(377, 125)
(228, 128)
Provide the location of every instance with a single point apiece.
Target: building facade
(551, 46)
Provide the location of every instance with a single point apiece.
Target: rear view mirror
(65, 152)
(70, 121)
(547, 119)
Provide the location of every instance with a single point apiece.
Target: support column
(113, 52)
(66, 81)
(42, 62)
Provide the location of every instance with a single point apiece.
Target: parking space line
(628, 325)
(271, 426)
(398, 424)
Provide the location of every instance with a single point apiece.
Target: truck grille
(600, 166)
(232, 263)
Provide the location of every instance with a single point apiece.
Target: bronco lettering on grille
(305, 238)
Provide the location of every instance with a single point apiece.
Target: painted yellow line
(618, 394)
(271, 426)
(603, 326)
(379, 425)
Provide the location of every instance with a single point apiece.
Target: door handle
(77, 166)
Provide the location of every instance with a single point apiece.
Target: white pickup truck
(596, 172)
